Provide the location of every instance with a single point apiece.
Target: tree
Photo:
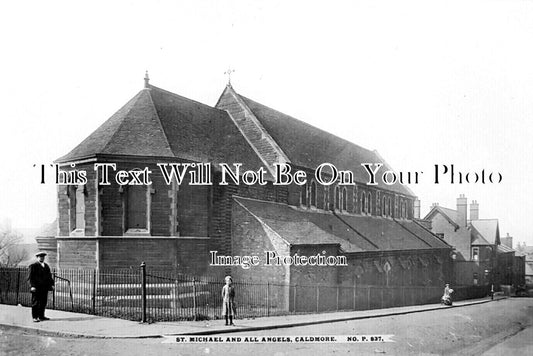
(10, 253)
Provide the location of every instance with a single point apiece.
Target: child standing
(228, 297)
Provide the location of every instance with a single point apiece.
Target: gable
(300, 143)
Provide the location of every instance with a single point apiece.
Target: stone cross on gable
(228, 73)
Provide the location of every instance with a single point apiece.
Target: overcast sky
(422, 82)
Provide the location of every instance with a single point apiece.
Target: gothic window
(326, 198)
(354, 205)
(369, 201)
(337, 198)
(390, 207)
(313, 194)
(303, 195)
(363, 202)
(344, 199)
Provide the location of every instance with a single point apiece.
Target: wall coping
(132, 237)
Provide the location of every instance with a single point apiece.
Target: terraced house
(176, 226)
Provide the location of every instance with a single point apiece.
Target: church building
(368, 232)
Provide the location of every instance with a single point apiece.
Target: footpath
(83, 325)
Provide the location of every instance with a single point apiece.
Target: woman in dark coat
(228, 297)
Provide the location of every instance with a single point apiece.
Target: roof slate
(487, 232)
(353, 233)
(157, 123)
(308, 146)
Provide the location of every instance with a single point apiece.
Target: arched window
(354, 205)
(326, 198)
(303, 195)
(363, 201)
(383, 207)
(369, 203)
(390, 207)
(313, 193)
(337, 198)
(344, 199)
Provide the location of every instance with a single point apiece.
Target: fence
(151, 295)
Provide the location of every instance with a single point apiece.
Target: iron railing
(153, 295)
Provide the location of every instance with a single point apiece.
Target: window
(354, 199)
(390, 207)
(137, 200)
(76, 195)
(383, 207)
(369, 201)
(303, 195)
(313, 194)
(344, 199)
(337, 198)
(475, 253)
(363, 201)
(326, 198)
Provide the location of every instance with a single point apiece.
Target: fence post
(18, 285)
(94, 292)
(54, 292)
(194, 298)
(143, 292)
(317, 297)
(294, 300)
(268, 298)
(337, 297)
(354, 293)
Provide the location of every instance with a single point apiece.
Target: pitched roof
(158, 123)
(486, 232)
(504, 249)
(133, 130)
(353, 233)
(449, 214)
(306, 145)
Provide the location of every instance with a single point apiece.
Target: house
(364, 234)
(480, 257)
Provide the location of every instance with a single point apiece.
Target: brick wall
(459, 239)
(66, 220)
(250, 239)
(77, 253)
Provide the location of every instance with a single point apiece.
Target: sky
(424, 83)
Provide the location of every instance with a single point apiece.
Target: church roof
(352, 232)
(158, 123)
(307, 146)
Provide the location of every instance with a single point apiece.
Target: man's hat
(40, 253)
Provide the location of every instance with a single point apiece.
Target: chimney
(462, 203)
(416, 209)
(474, 210)
(507, 241)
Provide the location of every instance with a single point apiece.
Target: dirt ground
(470, 330)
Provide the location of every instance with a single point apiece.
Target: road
(494, 328)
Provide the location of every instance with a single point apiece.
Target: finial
(146, 80)
(228, 73)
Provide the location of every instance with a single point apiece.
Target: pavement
(64, 323)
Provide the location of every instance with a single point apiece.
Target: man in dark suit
(41, 281)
